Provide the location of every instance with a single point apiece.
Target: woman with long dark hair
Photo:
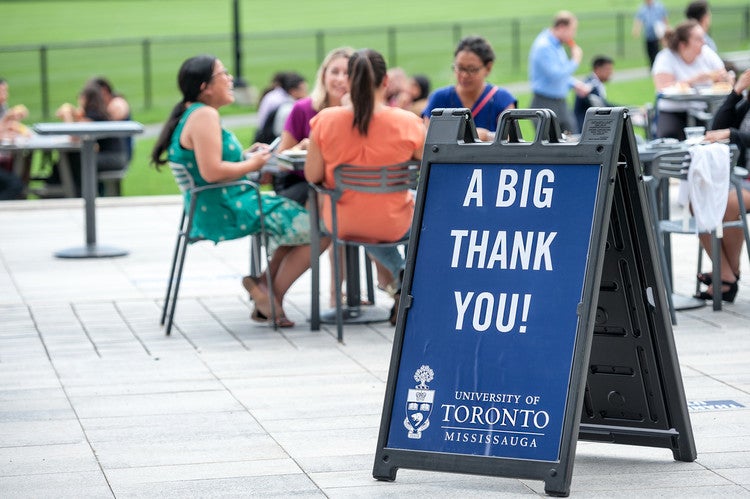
(193, 137)
(112, 152)
(367, 133)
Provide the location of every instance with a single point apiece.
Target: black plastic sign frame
(501, 302)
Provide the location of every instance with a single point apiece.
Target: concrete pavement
(96, 402)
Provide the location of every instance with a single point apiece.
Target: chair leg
(699, 269)
(314, 262)
(169, 283)
(171, 271)
(716, 271)
(269, 281)
(653, 186)
(178, 279)
(747, 235)
(368, 275)
(667, 283)
(743, 215)
(665, 237)
(255, 253)
(339, 304)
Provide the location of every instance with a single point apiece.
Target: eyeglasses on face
(470, 71)
(224, 72)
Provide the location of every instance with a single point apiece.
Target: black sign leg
(382, 471)
(634, 392)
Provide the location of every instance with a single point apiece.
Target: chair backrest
(675, 164)
(181, 176)
(377, 179)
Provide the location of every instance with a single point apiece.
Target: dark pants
(291, 186)
(11, 186)
(672, 124)
(568, 122)
(652, 48)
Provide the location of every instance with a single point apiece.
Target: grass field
(142, 50)
(139, 45)
(49, 21)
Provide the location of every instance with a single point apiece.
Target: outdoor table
(22, 147)
(89, 132)
(708, 96)
(289, 161)
(712, 98)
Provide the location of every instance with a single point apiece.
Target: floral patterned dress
(232, 212)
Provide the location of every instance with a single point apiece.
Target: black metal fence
(43, 76)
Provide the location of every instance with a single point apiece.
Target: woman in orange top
(367, 132)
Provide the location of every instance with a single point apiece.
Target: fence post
(44, 77)
(620, 30)
(147, 79)
(515, 43)
(456, 33)
(392, 47)
(320, 45)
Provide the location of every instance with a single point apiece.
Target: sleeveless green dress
(232, 212)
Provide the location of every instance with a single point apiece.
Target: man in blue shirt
(551, 70)
(651, 18)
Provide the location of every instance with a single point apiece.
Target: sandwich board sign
(522, 254)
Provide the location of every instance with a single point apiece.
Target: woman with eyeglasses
(193, 137)
(472, 63)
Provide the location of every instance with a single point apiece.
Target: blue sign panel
(498, 275)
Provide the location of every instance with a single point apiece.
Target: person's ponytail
(165, 136)
(366, 72)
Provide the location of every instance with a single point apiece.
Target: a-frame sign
(533, 309)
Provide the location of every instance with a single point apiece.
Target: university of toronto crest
(419, 403)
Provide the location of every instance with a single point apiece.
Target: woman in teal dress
(193, 137)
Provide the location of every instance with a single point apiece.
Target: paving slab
(95, 401)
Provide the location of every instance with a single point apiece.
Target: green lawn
(143, 179)
(142, 50)
(49, 21)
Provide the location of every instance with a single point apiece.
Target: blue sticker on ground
(713, 405)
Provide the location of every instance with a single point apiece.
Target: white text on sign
(507, 189)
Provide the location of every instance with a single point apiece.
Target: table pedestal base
(91, 251)
(682, 302)
(356, 315)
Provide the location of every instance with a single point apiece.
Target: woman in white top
(685, 62)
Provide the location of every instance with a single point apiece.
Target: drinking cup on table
(694, 132)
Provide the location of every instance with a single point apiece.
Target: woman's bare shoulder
(204, 115)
